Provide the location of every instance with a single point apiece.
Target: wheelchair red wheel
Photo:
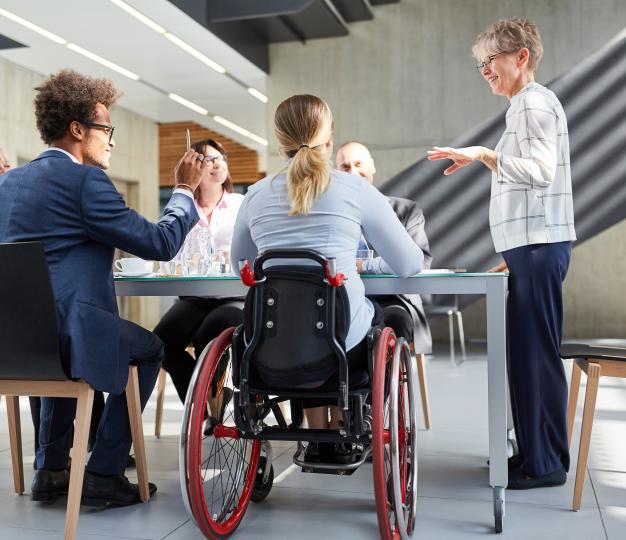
(221, 465)
(394, 442)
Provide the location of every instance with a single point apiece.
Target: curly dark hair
(68, 96)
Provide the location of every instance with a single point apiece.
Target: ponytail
(308, 176)
(304, 126)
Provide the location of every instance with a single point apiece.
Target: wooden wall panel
(242, 162)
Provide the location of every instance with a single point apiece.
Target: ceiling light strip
(139, 16)
(127, 73)
(194, 52)
(186, 47)
(254, 92)
(33, 27)
(238, 129)
(103, 61)
(189, 104)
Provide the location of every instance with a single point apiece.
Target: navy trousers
(113, 440)
(536, 374)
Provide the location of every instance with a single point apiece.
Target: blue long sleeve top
(333, 227)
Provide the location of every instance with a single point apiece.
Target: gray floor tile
(445, 519)
(609, 488)
(304, 514)
(149, 521)
(11, 533)
(614, 518)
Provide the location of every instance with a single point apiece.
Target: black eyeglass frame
(482, 65)
(211, 159)
(103, 127)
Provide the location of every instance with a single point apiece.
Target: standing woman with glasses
(532, 224)
(197, 320)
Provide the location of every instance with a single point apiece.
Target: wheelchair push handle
(329, 265)
(247, 274)
(334, 278)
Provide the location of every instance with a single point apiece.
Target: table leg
(497, 394)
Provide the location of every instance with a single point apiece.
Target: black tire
(260, 491)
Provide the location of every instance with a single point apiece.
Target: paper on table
(438, 271)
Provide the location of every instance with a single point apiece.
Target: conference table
(492, 285)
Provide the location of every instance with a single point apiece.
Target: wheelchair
(291, 348)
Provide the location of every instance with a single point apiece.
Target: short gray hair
(508, 35)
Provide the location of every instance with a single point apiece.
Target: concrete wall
(406, 81)
(135, 159)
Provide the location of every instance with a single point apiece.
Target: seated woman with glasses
(197, 320)
(309, 205)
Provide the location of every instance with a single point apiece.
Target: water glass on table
(363, 255)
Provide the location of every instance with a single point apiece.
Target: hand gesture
(461, 156)
(188, 171)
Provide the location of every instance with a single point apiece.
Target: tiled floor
(454, 503)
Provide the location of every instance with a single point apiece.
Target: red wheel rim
(380, 434)
(210, 524)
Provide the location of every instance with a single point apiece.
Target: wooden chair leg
(160, 398)
(573, 401)
(593, 378)
(84, 406)
(136, 428)
(15, 437)
(421, 375)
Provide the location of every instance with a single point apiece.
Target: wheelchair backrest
(295, 325)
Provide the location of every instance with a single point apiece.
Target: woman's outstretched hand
(464, 156)
(461, 156)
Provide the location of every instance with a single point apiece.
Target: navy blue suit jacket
(81, 218)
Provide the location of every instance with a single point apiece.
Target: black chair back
(29, 338)
(300, 322)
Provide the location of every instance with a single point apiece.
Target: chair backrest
(295, 322)
(29, 338)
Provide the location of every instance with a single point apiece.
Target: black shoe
(111, 491)
(131, 463)
(514, 462)
(319, 452)
(344, 453)
(211, 421)
(49, 484)
(519, 479)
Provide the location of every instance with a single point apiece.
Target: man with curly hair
(65, 200)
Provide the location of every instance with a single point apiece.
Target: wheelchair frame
(387, 427)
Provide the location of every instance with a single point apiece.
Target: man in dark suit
(64, 199)
(404, 313)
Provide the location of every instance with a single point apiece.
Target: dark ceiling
(249, 27)
(8, 43)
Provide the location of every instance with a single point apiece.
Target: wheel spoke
(220, 471)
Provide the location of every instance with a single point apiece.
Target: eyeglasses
(487, 63)
(211, 160)
(107, 129)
